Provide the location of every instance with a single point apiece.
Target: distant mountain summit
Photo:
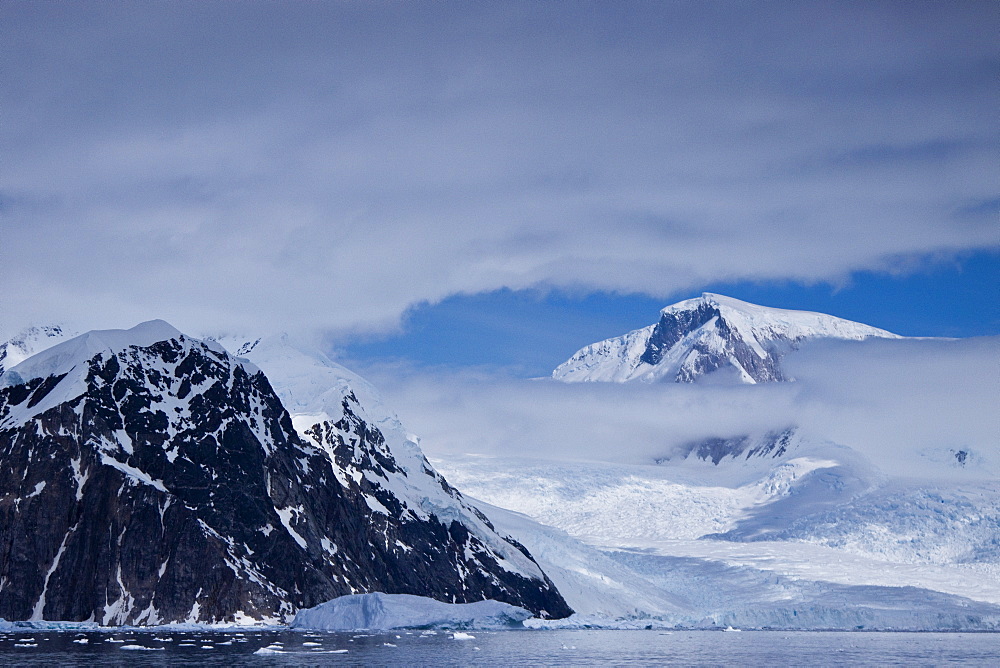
(150, 477)
(29, 342)
(711, 334)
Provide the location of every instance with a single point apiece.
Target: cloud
(329, 165)
(890, 400)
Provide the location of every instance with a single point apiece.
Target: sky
(496, 184)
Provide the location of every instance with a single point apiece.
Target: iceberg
(45, 625)
(382, 612)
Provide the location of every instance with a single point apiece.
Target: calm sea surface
(643, 648)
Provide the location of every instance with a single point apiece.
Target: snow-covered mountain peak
(762, 321)
(308, 381)
(63, 357)
(709, 298)
(65, 371)
(723, 304)
(30, 341)
(707, 335)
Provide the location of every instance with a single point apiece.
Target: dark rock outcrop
(772, 444)
(728, 348)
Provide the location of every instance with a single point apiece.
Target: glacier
(383, 612)
(662, 572)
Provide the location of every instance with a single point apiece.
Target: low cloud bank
(887, 399)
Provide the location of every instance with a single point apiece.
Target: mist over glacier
(881, 397)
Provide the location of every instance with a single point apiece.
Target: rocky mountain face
(772, 444)
(150, 477)
(710, 335)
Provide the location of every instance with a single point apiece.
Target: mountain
(711, 334)
(151, 477)
(323, 396)
(862, 496)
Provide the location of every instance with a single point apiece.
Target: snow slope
(315, 390)
(711, 334)
(67, 361)
(30, 341)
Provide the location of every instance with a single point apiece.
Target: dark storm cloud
(330, 164)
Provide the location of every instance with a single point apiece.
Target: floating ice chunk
(142, 647)
(458, 635)
(268, 650)
(397, 611)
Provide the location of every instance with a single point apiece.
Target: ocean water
(491, 648)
